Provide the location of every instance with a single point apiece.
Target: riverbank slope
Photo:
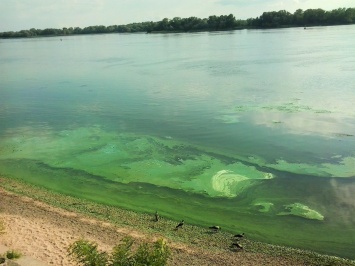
(41, 225)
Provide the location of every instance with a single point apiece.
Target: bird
(180, 225)
(239, 235)
(237, 245)
(156, 216)
(215, 228)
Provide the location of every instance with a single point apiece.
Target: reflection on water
(243, 126)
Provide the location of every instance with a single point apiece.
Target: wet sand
(43, 233)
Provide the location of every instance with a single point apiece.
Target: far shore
(60, 36)
(41, 225)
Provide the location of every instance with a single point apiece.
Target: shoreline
(178, 31)
(41, 224)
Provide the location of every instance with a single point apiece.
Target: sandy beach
(42, 233)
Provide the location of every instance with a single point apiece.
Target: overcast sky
(25, 14)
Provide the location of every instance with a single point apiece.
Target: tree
(230, 21)
(176, 23)
(273, 19)
(50, 32)
(269, 19)
(349, 16)
(285, 17)
(298, 17)
(314, 16)
(212, 22)
(77, 30)
(163, 25)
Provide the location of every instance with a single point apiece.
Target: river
(252, 130)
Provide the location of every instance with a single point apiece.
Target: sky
(18, 15)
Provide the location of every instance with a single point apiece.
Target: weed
(12, 254)
(87, 254)
(2, 227)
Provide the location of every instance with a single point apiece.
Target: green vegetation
(309, 17)
(86, 253)
(274, 19)
(12, 254)
(2, 227)
(9, 255)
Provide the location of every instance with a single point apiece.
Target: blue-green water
(252, 130)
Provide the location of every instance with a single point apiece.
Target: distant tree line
(310, 17)
(274, 19)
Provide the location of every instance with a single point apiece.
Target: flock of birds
(215, 228)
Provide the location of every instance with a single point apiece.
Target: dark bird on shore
(215, 228)
(237, 245)
(156, 216)
(239, 235)
(180, 225)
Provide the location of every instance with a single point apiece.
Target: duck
(180, 225)
(237, 245)
(215, 228)
(239, 235)
(156, 216)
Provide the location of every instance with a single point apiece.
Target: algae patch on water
(301, 210)
(231, 183)
(126, 157)
(263, 206)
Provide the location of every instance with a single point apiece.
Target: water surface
(252, 130)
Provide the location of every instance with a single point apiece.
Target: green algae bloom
(263, 206)
(301, 210)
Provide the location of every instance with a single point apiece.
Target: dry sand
(42, 233)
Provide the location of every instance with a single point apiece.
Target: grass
(2, 227)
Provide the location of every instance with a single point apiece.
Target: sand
(42, 233)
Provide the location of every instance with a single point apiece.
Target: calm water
(253, 130)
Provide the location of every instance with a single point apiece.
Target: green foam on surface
(302, 210)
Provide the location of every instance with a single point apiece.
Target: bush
(156, 254)
(87, 254)
(121, 254)
(12, 254)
